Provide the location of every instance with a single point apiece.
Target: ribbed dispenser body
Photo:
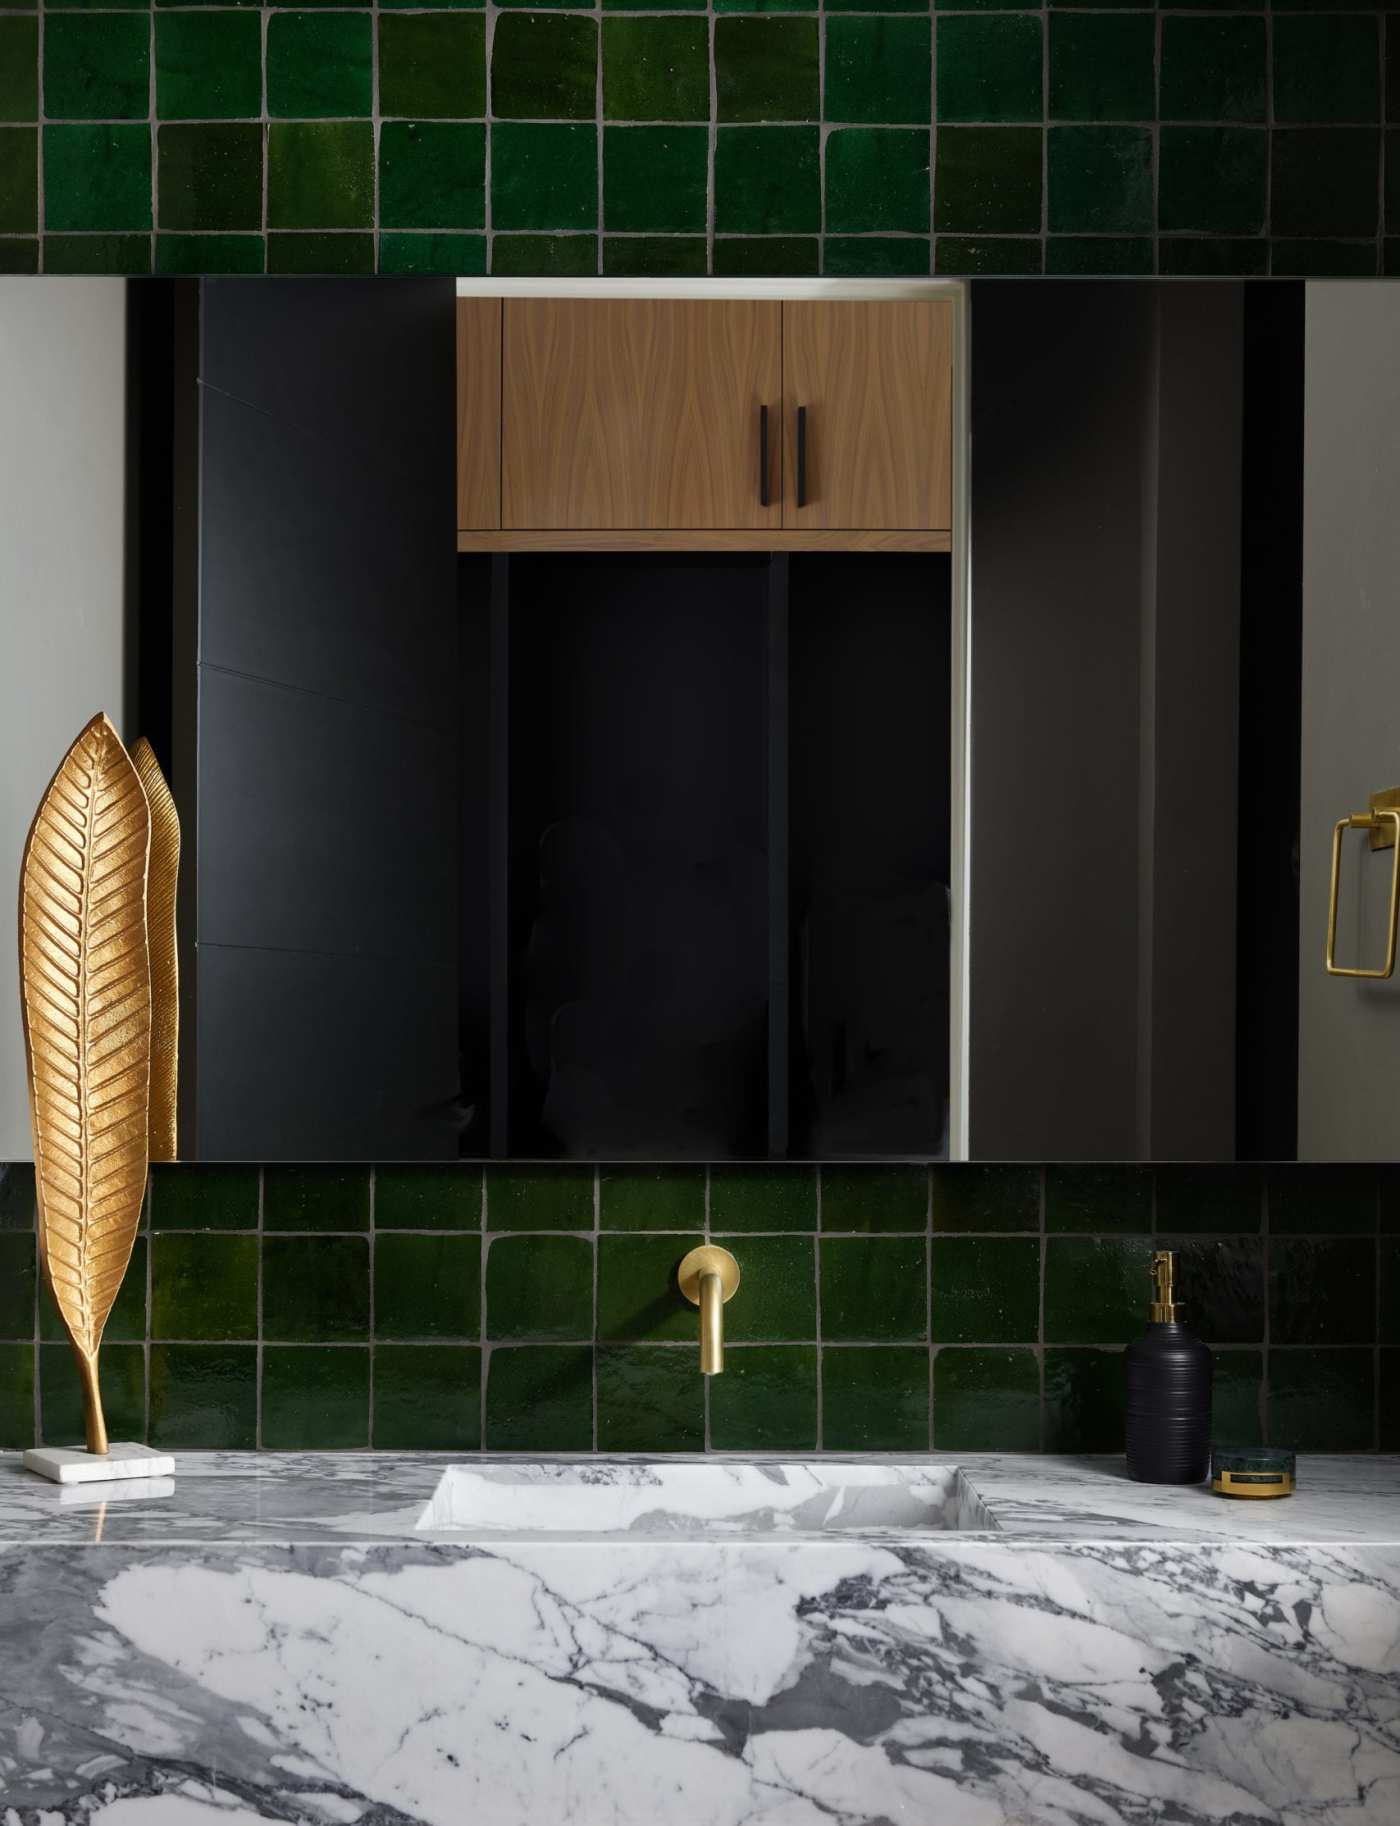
(1168, 1373)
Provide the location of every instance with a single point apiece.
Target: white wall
(1349, 1032)
(62, 480)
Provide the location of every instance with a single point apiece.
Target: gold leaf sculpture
(160, 927)
(85, 979)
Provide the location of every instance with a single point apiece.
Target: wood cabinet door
(640, 413)
(875, 381)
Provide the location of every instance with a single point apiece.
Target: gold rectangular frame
(1383, 822)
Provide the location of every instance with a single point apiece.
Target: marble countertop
(235, 1498)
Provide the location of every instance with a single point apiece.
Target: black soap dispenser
(1168, 1373)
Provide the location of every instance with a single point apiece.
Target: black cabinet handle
(763, 497)
(801, 456)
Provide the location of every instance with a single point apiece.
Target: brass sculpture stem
(711, 1325)
(93, 1420)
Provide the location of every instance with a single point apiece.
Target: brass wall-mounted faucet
(708, 1277)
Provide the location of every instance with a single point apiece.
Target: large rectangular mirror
(830, 722)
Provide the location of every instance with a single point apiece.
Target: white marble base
(73, 1465)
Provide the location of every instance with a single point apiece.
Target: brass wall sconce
(708, 1277)
(1382, 821)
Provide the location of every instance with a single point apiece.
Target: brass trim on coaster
(1253, 1483)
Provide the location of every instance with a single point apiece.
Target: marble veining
(294, 1648)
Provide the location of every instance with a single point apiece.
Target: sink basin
(702, 1498)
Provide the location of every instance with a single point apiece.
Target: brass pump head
(1165, 1310)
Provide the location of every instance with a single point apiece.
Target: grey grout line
(817, 1318)
(261, 1357)
(373, 1280)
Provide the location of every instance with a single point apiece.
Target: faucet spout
(708, 1277)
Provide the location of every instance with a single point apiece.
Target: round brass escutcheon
(708, 1259)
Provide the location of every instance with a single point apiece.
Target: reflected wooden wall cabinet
(727, 424)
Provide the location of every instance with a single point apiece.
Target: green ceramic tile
(655, 6)
(876, 256)
(565, 256)
(126, 1323)
(17, 1203)
(211, 176)
(1324, 181)
(874, 1198)
(19, 69)
(16, 254)
(1190, 256)
(1094, 1198)
(427, 1286)
(875, 1400)
(539, 1398)
(315, 1289)
(316, 1198)
(17, 1428)
(204, 1397)
(427, 1397)
(106, 254)
(1214, 69)
(656, 69)
(543, 176)
(204, 1198)
(19, 180)
(777, 1297)
(1083, 1401)
(432, 66)
(655, 179)
(432, 174)
(637, 1292)
(877, 178)
(544, 66)
(428, 253)
(1100, 178)
(1388, 1400)
(975, 1197)
(1322, 1290)
(1237, 1398)
(1322, 1400)
(765, 257)
(315, 1398)
(976, 256)
(94, 178)
(878, 70)
(762, 1198)
(1103, 66)
(1324, 259)
(1324, 1200)
(204, 1287)
(766, 69)
(18, 1280)
(539, 1198)
(1220, 1284)
(319, 64)
(986, 1401)
(1213, 179)
(652, 1198)
(122, 1369)
(988, 180)
(766, 1400)
(873, 1288)
(208, 65)
(427, 1198)
(650, 1400)
(1325, 68)
(200, 254)
(767, 180)
(320, 174)
(1097, 1289)
(1390, 258)
(873, 6)
(539, 1287)
(97, 66)
(989, 69)
(655, 256)
(1214, 1198)
(1388, 1274)
(986, 1289)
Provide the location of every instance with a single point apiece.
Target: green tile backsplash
(895, 1308)
(670, 138)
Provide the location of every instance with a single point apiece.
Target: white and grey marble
(280, 1640)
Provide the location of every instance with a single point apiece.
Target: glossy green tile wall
(966, 1308)
(682, 137)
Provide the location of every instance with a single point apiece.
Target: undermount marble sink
(692, 1499)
